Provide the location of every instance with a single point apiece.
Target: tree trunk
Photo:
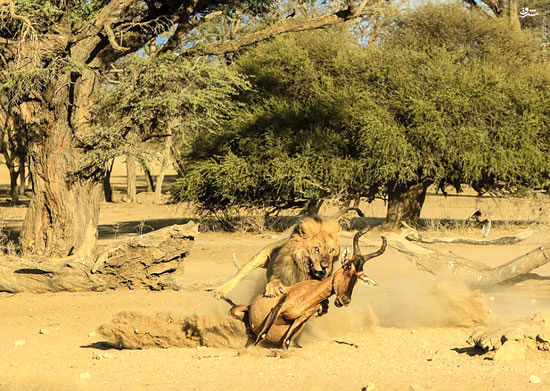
(165, 162)
(22, 174)
(131, 178)
(107, 188)
(14, 189)
(514, 15)
(62, 216)
(312, 207)
(405, 204)
(149, 179)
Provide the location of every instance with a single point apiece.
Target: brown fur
(309, 253)
(292, 262)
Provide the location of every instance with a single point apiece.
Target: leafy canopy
(449, 96)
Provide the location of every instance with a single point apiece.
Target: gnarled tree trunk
(63, 214)
(405, 203)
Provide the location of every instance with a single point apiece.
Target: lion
(308, 254)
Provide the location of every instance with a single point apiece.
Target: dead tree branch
(148, 261)
(287, 26)
(472, 273)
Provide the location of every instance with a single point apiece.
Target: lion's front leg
(274, 288)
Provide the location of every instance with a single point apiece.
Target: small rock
(370, 387)
(85, 375)
(92, 334)
(534, 379)
(20, 342)
(511, 350)
(416, 387)
(43, 331)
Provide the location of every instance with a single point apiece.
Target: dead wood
(149, 261)
(475, 274)
(40, 275)
(503, 240)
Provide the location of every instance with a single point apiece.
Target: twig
(347, 343)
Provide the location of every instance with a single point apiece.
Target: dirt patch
(135, 330)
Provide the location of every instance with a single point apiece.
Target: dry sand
(410, 332)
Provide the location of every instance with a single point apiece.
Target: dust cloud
(422, 301)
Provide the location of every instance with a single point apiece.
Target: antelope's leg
(270, 319)
(259, 260)
(297, 327)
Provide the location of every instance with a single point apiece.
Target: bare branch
(286, 26)
(10, 5)
(112, 38)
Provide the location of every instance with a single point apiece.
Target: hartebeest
(281, 319)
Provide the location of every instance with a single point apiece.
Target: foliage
(448, 97)
(155, 96)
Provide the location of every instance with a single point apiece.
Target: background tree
(55, 54)
(161, 98)
(13, 150)
(448, 97)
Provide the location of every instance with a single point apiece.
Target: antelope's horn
(362, 259)
(356, 249)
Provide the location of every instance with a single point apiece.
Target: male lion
(308, 254)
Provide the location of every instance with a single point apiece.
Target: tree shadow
(107, 231)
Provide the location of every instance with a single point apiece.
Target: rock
(370, 387)
(107, 355)
(92, 334)
(511, 350)
(43, 331)
(85, 375)
(20, 342)
(416, 387)
(534, 379)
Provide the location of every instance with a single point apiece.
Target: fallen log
(149, 261)
(475, 274)
(503, 240)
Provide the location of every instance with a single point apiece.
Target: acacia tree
(54, 56)
(160, 98)
(448, 97)
(13, 150)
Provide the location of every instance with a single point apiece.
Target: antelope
(281, 319)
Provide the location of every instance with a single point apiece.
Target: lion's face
(320, 246)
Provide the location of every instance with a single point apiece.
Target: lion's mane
(292, 262)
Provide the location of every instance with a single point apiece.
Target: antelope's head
(352, 270)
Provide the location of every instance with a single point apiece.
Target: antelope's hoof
(323, 308)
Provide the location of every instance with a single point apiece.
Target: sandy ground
(417, 343)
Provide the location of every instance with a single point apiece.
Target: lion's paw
(274, 288)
